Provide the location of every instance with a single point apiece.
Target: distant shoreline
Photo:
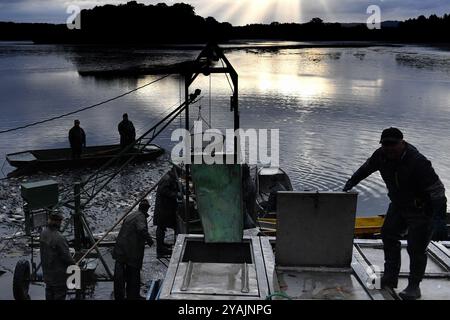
(178, 26)
(231, 45)
(246, 44)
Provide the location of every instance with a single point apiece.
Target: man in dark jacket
(165, 210)
(129, 253)
(127, 132)
(77, 139)
(418, 206)
(249, 198)
(55, 259)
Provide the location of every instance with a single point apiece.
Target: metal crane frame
(204, 64)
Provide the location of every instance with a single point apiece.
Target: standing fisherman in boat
(129, 253)
(418, 207)
(77, 139)
(126, 131)
(55, 258)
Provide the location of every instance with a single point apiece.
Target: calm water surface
(330, 104)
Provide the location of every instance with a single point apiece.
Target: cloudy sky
(241, 12)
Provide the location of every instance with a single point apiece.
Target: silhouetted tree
(138, 23)
(316, 21)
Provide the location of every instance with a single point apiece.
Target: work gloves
(348, 186)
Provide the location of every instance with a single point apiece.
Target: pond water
(330, 104)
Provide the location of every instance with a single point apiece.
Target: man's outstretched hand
(348, 186)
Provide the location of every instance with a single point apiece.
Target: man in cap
(129, 253)
(77, 139)
(55, 258)
(418, 207)
(126, 131)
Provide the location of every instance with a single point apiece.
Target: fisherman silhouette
(77, 139)
(126, 131)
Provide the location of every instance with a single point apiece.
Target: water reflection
(303, 87)
(330, 104)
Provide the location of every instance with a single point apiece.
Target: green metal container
(218, 188)
(40, 194)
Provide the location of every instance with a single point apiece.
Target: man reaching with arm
(418, 207)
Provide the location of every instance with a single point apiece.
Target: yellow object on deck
(364, 226)
(368, 225)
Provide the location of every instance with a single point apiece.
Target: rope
(109, 177)
(163, 114)
(61, 203)
(85, 108)
(136, 203)
(200, 118)
(180, 92)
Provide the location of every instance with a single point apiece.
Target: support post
(187, 82)
(236, 117)
(100, 256)
(28, 219)
(77, 224)
(78, 229)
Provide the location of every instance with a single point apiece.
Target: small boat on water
(266, 177)
(33, 160)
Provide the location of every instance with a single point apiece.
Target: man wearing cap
(126, 131)
(77, 139)
(129, 253)
(418, 207)
(55, 259)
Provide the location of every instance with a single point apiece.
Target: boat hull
(365, 227)
(33, 160)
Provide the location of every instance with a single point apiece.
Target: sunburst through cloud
(253, 11)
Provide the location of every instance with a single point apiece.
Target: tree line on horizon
(137, 23)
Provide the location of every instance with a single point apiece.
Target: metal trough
(200, 270)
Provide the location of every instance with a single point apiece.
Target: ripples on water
(330, 104)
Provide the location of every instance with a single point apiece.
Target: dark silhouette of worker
(77, 139)
(129, 253)
(271, 204)
(249, 197)
(127, 132)
(418, 206)
(166, 209)
(55, 259)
